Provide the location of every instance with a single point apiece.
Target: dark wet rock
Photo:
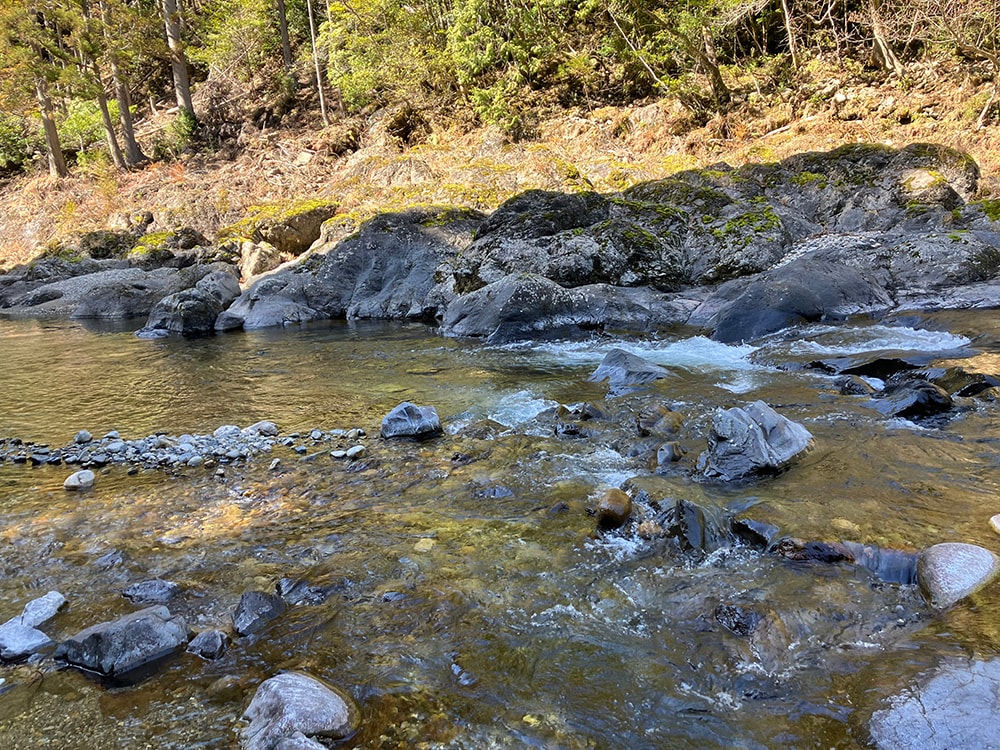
(913, 399)
(882, 368)
(113, 559)
(754, 533)
(805, 290)
(292, 706)
(209, 644)
(123, 645)
(621, 368)
(754, 440)
(193, 312)
(690, 528)
(953, 708)
(738, 619)
(298, 592)
(813, 551)
(20, 637)
(949, 572)
(960, 383)
(853, 385)
(255, 610)
(394, 267)
(80, 480)
(613, 509)
(411, 421)
(154, 591)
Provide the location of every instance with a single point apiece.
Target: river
(473, 605)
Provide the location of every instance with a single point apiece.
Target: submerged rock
(949, 572)
(751, 441)
(955, 708)
(292, 708)
(122, 645)
(913, 399)
(412, 421)
(255, 610)
(154, 591)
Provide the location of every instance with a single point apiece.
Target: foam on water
(847, 340)
(522, 406)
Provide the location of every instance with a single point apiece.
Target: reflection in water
(472, 606)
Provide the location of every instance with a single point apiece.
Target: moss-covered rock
(290, 227)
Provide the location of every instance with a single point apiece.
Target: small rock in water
(195, 461)
(154, 591)
(669, 453)
(113, 435)
(265, 428)
(950, 572)
(227, 432)
(356, 452)
(410, 420)
(338, 454)
(995, 523)
(292, 707)
(622, 368)
(255, 610)
(316, 434)
(82, 437)
(613, 510)
(274, 464)
(210, 644)
(81, 480)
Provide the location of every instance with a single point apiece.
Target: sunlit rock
(613, 509)
(950, 572)
(955, 708)
(622, 368)
(410, 420)
(20, 636)
(294, 708)
(751, 441)
(81, 480)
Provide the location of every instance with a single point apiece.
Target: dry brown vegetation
(605, 149)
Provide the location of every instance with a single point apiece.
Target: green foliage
(81, 127)
(238, 37)
(13, 142)
(176, 138)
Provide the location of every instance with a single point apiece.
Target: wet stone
(81, 480)
(154, 591)
(209, 644)
(255, 610)
(613, 509)
(411, 421)
(949, 572)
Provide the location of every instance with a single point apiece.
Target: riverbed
(471, 602)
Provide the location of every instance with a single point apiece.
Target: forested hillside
(99, 89)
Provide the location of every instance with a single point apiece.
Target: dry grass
(605, 150)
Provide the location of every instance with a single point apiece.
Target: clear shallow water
(466, 613)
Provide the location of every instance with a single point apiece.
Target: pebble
(82, 437)
(81, 480)
(316, 434)
(995, 523)
(338, 454)
(356, 452)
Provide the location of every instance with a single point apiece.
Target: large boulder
(396, 267)
(953, 708)
(193, 312)
(293, 708)
(949, 572)
(750, 441)
(120, 646)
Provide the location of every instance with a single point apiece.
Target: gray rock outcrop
(193, 312)
(750, 441)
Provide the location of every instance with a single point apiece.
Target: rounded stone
(82, 437)
(81, 480)
(613, 510)
(951, 571)
(356, 452)
(292, 703)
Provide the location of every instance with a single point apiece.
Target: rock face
(949, 572)
(411, 421)
(193, 312)
(122, 645)
(621, 368)
(292, 708)
(751, 441)
(955, 708)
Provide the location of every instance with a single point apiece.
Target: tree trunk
(315, 54)
(883, 51)
(178, 61)
(57, 163)
(109, 127)
(133, 154)
(286, 47)
(793, 44)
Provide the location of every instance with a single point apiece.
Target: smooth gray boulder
(293, 705)
(955, 708)
(949, 572)
(750, 441)
(411, 421)
(621, 368)
(80, 480)
(122, 645)
(20, 636)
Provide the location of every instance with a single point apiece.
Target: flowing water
(473, 604)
